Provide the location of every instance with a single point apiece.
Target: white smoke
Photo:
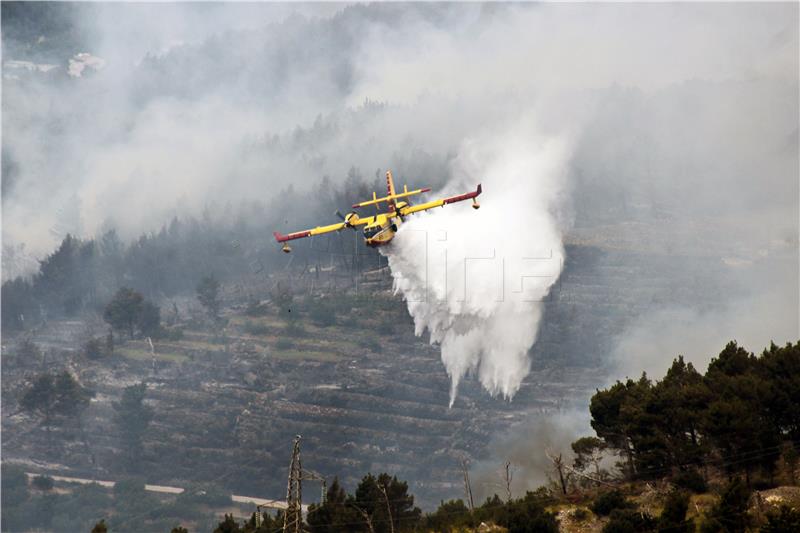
(476, 280)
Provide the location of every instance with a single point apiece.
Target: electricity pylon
(293, 517)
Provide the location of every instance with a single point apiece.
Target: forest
(82, 275)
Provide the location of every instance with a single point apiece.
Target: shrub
(673, 517)
(43, 482)
(528, 515)
(691, 480)
(284, 344)
(580, 514)
(784, 521)
(448, 516)
(372, 344)
(608, 501)
(629, 521)
(730, 513)
(95, 349)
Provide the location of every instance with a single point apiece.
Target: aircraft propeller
(347, 219)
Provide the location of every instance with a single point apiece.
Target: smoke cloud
(670, 129)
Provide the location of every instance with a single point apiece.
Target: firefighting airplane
(380, 228)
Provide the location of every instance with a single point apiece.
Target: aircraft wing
(441, 203)
(352, 220)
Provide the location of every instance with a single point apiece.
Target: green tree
(228, 525)
(335, 513)
(383, 495)
(43, 483)
(124, 309)
(110, 343)
(132, 418)
(18, 304)
(51, 397)
(451, 515)
(736, 421)
(618, 417)
(780, 367)
(588, 453)
(673, 517)
(94, 349)
(65, 279)
(528, 515)
(268, 524)
(149, 320)
(208, 294)
(629, 521)
(729, 515)
(678, 404)
(100, 527)
(608, 501)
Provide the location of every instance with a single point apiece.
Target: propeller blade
(344, 219)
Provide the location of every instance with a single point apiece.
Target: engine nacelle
(351, 219)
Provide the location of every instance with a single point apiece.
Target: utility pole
(293, 517)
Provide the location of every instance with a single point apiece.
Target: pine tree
(132, 417)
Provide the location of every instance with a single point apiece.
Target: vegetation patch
(145, 355)
(295, 354)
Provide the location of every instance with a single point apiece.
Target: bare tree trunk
(558, 463)
(388, 509)
(366, 516)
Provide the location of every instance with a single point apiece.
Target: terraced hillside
(365, 394)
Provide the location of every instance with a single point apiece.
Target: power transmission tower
(310, 475)
(293, 518)
(508, 476)
(467, 486)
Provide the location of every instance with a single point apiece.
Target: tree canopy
(56, 396)
(735, 416)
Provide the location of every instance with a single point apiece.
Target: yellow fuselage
(378, 235)
(382, 231)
